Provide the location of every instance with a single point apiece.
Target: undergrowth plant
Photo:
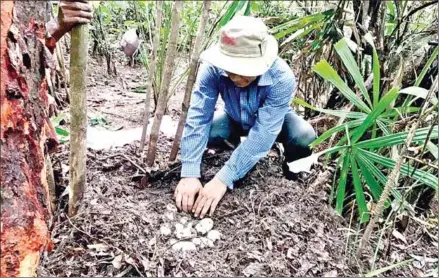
(364, 151)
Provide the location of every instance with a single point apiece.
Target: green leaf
(248, 8)
(323, 69)
(341, 188)
(61, 131)
(293, 25)
(427, 66)
(359, 193)
(371, 182)
(371, 118)
(398, 111)
(231, 11)
(348, 59)
(301, 33)
(325, 135)
(254, 6)
(406, 169)
(383, 127)
(380, 177)
(337, 113)
(398, 138)
(375, 70)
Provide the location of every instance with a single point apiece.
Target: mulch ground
(269, 226)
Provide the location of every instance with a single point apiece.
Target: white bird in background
(130, 44)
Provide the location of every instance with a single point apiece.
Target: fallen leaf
(399, 236)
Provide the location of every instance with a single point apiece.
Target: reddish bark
(25, 132)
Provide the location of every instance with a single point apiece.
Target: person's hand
(209, 197)
(71, 13)
(185, 192)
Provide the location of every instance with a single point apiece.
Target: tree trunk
(151, 73)
(166, 80)
(78, 112)
(26, 134)
(191, 80)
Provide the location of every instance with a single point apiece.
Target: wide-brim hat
(245, 47)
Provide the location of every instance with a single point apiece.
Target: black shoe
(288, 174)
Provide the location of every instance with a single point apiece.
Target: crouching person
(257, 88)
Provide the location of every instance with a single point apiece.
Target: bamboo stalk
(78, 113)
(166, 80)
(394, 174)
(191, 80)
(151, 73)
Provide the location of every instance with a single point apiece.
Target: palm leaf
(341, 188)
(406, 169)
(348, 59)
(359, 194)
(371, 118)
(371, 182)
(427, 66)
(375, 70)
(379, 176)
(398, 138)
(325, 135)
(337, 113)
(325, 70)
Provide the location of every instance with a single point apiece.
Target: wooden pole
(78, 114)
(151, 72)
(191, 80)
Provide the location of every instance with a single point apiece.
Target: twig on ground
(134, 163)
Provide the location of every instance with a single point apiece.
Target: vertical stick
(151, 73)
(191, 80)
(78, 114)
(166, 80)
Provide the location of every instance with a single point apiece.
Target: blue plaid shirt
(259, 107)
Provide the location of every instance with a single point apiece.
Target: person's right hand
(185, 192)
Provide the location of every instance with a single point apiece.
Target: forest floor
(269, 226)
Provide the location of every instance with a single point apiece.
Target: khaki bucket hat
(244, 48)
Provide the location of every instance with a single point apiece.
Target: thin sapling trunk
(166, 80)
(191, 79)
(151, 73)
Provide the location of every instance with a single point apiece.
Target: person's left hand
(209, 197)
(71, 13)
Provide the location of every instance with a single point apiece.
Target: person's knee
(307, 135)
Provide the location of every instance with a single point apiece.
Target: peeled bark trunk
(151, 73)
(191, 80)
(166, 80)
(24, 133)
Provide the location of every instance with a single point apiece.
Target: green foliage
(96, 119)
(368, 128)
(61, 132)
